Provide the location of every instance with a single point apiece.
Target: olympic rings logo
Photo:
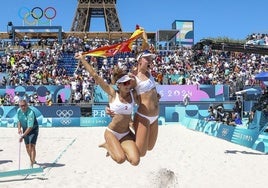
(65, 116)
(64, 113)
(65, 121)
(36, 15)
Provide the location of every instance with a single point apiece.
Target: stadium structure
(172, 110)
(181, 33)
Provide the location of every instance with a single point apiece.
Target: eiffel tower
(87, 9)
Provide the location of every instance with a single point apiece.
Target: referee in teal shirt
(28, 129)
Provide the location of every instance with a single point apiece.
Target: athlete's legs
(153, 134)
(114, 148)
(131, 150)
(142, 130)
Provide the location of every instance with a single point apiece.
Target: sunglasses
(126, 83)
(23, 105)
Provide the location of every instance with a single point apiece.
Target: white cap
(145, 54)
(123, 79)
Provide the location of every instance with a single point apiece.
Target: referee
(28, 129)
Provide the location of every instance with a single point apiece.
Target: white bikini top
(122, 108)
(146, 85)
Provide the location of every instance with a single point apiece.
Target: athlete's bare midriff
(149, 103)
(120, 123)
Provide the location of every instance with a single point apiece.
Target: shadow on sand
(5, 161)
(46, 166)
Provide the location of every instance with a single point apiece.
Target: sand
(181, 158)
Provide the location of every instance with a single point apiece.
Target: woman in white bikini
(146, 117)
(120, 142)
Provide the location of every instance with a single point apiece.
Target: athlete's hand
(78, 55)
(109, 111)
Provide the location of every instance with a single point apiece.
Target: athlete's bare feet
(104, 145)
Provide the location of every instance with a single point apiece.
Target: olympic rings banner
(37, 15)
(52, 116)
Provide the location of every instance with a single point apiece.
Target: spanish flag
(108, 51)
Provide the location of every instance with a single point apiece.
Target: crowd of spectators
(257, 39)
(218, 114)
(39, 66)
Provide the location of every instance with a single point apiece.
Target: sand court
(181, 158)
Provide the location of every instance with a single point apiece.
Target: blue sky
(212, 18)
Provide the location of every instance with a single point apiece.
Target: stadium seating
(68, 62)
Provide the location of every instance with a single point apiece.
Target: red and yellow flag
(108, 51)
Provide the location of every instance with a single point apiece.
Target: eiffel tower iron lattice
(88, 9)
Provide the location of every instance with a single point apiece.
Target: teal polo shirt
(27, 119)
